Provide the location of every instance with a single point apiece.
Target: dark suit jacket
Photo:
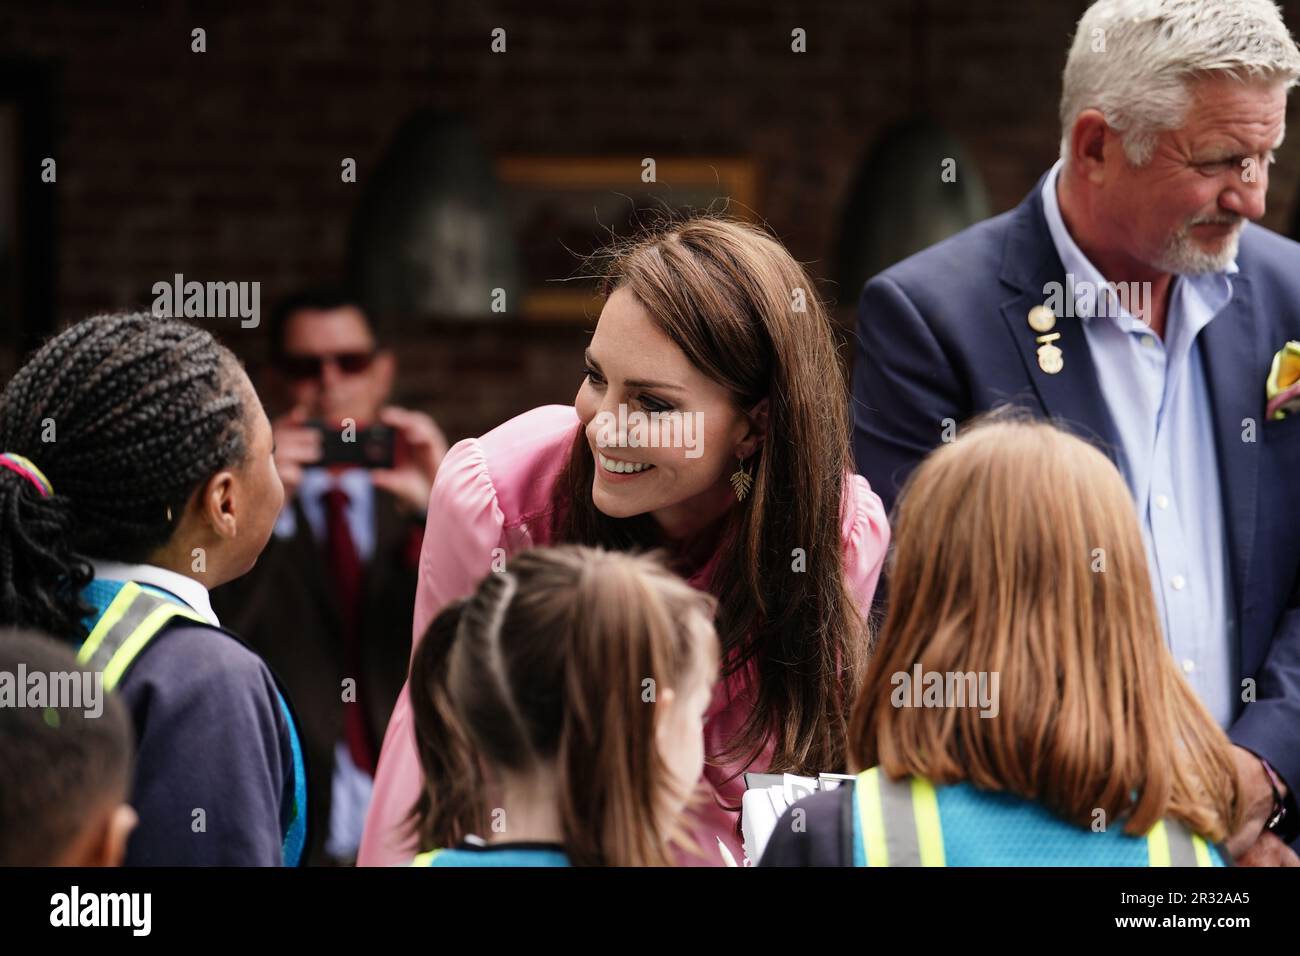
(285, 610)
(943, 334)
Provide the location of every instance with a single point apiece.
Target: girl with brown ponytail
(559, 713)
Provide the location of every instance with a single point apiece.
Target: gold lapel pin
(1050, 359)
(1041, 319)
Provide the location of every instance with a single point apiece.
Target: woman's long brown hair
(1018, 554)
(746, 314)
(545, 666)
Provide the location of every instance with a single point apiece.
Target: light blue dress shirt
(351, 787)
(1158, 398)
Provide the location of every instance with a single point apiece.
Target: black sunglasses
(311, 366)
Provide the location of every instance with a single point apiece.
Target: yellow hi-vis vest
(899, 824)
(128, 624)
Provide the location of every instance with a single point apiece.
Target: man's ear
(1088, 144)
(219, 505)
(757, 418)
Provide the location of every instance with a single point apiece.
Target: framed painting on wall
(563, 209)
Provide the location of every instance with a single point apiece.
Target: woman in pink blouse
(712, 422)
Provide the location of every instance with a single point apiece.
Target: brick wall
(226, 164)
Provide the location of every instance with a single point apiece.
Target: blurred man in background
(329, 603)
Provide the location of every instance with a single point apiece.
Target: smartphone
(374, 446)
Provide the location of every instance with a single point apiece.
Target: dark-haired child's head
(568, 693)
(157, 450)
(65, 760)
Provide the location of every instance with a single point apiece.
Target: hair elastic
(24, 467)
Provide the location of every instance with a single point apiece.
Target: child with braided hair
(136, 474)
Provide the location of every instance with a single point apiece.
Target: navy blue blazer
(210, 735)
(943, 334)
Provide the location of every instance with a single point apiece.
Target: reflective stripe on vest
(425, 859)
(900, 820)
(128, 624)
(900, 827)
(1171, 843)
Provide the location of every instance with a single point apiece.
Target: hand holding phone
(419, 449)
(402, 450)
(365, 446)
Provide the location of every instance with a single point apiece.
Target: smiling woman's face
(632, 363)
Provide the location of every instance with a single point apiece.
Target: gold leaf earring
(741, 481)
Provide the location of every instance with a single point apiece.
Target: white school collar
(188, 590)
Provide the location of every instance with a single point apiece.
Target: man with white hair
(1129, 298)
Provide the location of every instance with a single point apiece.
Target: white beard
(1182, 255)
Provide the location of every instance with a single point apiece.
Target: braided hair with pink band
(28, 470)
(127, 414)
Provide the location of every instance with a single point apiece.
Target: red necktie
(345, 569)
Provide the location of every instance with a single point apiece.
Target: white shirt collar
(188, 590)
